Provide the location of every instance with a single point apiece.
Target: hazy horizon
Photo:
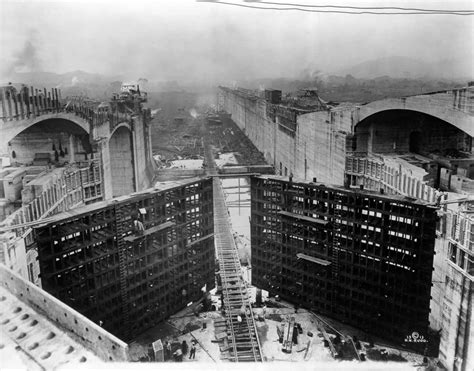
(189, 40)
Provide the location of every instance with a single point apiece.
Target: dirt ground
(227, 137)
(178, 128)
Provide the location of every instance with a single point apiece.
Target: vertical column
(2, 97)
(48, 199)
(56, 100)
(44, 201)
(135, 156)
(103, 150)
(71, 151)
(15, 105)
(38, 102)
(45, 100)
(36, 210)
(28, 213)
(26, 97)
(21, 100)
(9, 105)
(50, 102)
(32, 101)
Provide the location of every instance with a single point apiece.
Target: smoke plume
(27, 59)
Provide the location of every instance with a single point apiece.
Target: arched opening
(121, 162)
(415, 146)
(415, 142)
(50, 142)
(403, 131)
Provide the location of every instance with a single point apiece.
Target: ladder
(122, 247)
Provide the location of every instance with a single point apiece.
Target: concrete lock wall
(456, 349)
(317, 149)
(121, 162)
(103, 344)
(13, 253)
(142, 153)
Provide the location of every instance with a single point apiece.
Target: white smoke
(193, 113)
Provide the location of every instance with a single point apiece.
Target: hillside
(403, 67)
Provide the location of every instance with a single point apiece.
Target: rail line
(244, 345)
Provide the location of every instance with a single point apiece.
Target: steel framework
(360, 257)
(125, 278)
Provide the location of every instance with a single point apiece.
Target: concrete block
(105, 345)
(445, 179)
(12, 184)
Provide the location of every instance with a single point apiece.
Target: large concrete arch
(15, 131)
(406, 130)
(10, 129)
(446, 112)
(121, 125)
(122, 167)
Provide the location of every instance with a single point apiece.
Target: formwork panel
(360, 257)
(127, 278)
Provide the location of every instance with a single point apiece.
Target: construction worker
(184, 347)
(167, 350)
(178, 355)
(138, 226)
(192, 352)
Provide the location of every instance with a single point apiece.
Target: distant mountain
(404, 67)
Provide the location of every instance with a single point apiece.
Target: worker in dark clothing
(184, 347)
(192, 353)
(167, 350)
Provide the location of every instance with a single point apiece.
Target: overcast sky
(185, 39)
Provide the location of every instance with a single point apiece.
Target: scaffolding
(125, 278)
(360, 257)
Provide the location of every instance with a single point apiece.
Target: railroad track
(244, 345)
